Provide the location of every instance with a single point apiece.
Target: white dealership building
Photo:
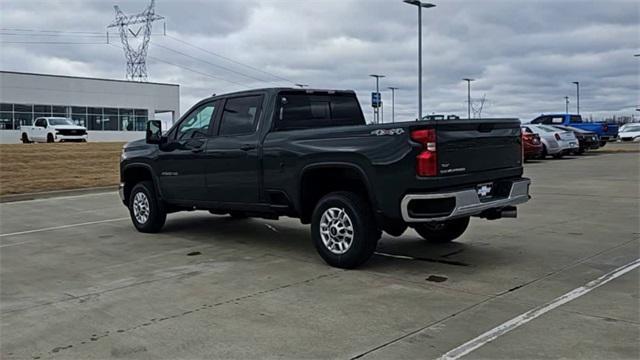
(112, 110)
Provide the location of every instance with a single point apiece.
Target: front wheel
(344, 230)
(49, 138)
(147, 213)
(444, 231)
(603, 143)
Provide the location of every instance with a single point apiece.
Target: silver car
(555, 142)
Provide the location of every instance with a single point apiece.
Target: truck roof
(279, 89)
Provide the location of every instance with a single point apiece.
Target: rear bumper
(464, 202)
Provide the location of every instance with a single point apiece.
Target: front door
(182, 161)
(233, 165)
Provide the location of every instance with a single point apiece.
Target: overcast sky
(523, 54)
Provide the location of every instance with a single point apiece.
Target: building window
(79, 115)
(110, 119)
(142, 116)
(12, 116)
(6, 120)
(127, 120)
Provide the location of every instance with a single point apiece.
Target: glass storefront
(12, 116)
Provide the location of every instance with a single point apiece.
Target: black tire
(558, 155)
(364, 236)
(603, 143)
(442, 232)
(157, 215)
(25, 138)
(543, 155)
(49, 138)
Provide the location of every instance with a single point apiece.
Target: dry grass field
(26, 168)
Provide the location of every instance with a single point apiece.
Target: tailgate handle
(485, 127)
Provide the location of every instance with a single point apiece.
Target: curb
(56, 193)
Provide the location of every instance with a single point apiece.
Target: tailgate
(469, 146)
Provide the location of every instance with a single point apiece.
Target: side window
(345, 110)
(299, 111)
(304, 111)
(240, 115)
(537, 120)
(40, 123)
(197, 124)
(576, 119)
(556, 120)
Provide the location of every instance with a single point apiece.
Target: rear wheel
(147, 213)
(603, 143)
(543, 155)
(25, 138)
(344, 230)
(442, 232)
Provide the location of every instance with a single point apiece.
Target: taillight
(557, 136)
(426, 161)
(605, 127)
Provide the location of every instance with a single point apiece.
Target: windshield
(632, 128)
(547, 128)
(60, 121)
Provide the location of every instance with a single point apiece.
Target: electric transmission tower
(477, 106)
(136, 54)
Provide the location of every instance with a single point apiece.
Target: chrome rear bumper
(467, 202)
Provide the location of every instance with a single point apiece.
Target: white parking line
(522, 319)
(60, 227)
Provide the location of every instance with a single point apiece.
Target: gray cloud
(524, 54)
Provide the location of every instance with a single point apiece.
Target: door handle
(247, 147)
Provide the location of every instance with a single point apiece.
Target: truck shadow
(289, 238)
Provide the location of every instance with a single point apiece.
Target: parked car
(440, 117)
(308, 154)
(53, 129)
(531, 145)
(631, 132)
(555, 142)
(587, 140)
(606, 132)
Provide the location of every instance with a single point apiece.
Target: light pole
(577, 96)
(566, 104)
(393, 103)
(376, 111)
(468, 80)
(420, 5)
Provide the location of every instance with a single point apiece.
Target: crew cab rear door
(232, 174)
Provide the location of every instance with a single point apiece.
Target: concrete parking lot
(77, 281)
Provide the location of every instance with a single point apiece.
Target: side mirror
(154, 132)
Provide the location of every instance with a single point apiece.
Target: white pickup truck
(52, 129)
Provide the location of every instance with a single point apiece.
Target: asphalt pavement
(78, 282)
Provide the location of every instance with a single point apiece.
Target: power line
(213, 64)
(189, 69)
(51, 42)
(229, 59)
(55, 35)
(51, 31)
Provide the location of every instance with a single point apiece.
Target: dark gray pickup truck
(309, 154)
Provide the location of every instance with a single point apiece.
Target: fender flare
(147, 167)
(338, 164)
